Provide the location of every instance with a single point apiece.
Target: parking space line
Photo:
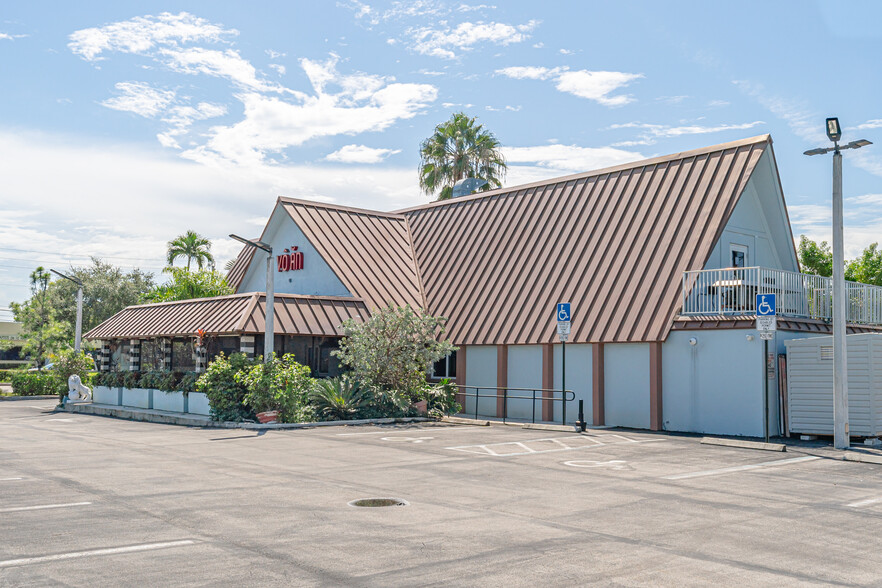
(9, 479)
(108, 551)
(43, 506)
(561, 443)
(866, 502)
(393, 431)
(765, 464)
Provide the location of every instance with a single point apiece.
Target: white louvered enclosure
(810, 385)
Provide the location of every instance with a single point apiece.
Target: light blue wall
(626, 384)
(481, 371)
(579, 373)
(315, 279)
(524, 371)
(758, 222)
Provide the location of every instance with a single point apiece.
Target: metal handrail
(732, 291)
(566, 396)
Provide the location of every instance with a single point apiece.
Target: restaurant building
(660, 260)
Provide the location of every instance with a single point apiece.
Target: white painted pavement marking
(867, 502)
(512, 448)
(440, 428)
(616, 464)
(108, 551)
(406, 439)
(9, 479)
(765, 464)
(43, 506)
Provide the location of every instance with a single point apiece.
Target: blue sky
(124, 124)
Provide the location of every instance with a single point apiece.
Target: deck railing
(732, 291)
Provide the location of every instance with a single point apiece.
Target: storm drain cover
(374, 502)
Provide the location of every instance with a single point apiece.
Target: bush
(442, 398)
(279, 384)
(6, 375)
(68, 363)
(38, 384)
(226, 395)
(339, 398)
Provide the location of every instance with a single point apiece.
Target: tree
(460, 149)
(42, 331)
(867, 268)
(393, 350)
(815, 258)
(107, 290)
(184, 285)
(194, 247)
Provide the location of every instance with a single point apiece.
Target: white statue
(77, 390)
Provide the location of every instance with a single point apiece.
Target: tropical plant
(186, 285)
(226, 394)
(279, 384)
(442, 398)
(392, 351)
(460, 149)
(42, 332)
(194, 247)
(339, 398)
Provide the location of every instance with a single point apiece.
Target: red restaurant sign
(289, 261)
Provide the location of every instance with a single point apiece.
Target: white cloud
(180, 119)
(650, 133)
(360, 154)
(444, 42)
(592, 85)
(875, 123)
(143, 34)
(223, 64)
(140, 98)
(565, 51)
(473, 8)
(508, 108)
(280, 69)
(530, 164)
(863, 222)
(275, 54)
(801, 119)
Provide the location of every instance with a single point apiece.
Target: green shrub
(187, 383)
(6, 375)
(38, 384)
(279, 384)
(339, 398)
(68, 363)
(442, 398)
(226, 395)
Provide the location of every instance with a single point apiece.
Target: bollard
(581, 422)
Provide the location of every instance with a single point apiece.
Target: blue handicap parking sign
(563, 311)
(765, 305)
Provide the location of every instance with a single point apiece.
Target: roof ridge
(339, 207)
(587, 174)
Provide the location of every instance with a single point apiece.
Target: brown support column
(548, 381)
(655, 386)
(461, 375)
(597, 384)
(501, 378)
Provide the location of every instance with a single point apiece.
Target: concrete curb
(561, 428)
(169, 418)
(486, 423)
(40, 397)
(744, 444)
(862, 457)
(463, 421)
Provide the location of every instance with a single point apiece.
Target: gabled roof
(613, 242)
(232, 315)
(237, 272)
(369, 251)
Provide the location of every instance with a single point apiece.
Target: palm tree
(194, 247)
(460, 149)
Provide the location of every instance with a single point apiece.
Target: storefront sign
(290, 261)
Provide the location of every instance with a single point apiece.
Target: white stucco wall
(315, 279)
(524, 371)
(626, 384)
(481, 371)
(579, 374)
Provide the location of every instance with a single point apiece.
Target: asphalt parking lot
(92, 501)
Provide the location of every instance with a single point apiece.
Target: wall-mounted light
(693, 341)
(750, 337)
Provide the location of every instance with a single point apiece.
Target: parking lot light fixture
(841, 438)
(78, 336)
(268, 335)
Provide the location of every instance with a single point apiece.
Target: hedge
(38, 384)
(6, 375)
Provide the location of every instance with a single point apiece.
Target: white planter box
(105, 395)
(136, 397)
(198, 404)
(170, 401)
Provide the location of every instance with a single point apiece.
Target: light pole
(78, 336)
(270, 298)
(840, 364)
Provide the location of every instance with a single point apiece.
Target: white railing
(732, 291)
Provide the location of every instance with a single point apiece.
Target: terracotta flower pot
(267, 417)
(422, 406)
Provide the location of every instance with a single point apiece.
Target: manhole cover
(373, 502)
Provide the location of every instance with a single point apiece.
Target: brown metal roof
(230, 315)
(614, 243)
(785, 323)
(369, 251)
(237, 272)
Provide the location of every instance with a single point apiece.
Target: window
(738, 255)
(445, 367)
(216, 345)
(151, 357)
(182, 356)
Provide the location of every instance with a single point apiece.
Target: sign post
(563, 331)
(766, 324)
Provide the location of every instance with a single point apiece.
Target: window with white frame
(445, 367)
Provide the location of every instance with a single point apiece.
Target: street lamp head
(817, 151)
(859, 143)
(258, 244)
(834, 131)
(66, 277)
